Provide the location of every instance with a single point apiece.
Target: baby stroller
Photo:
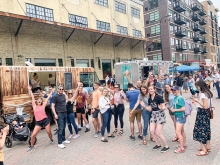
(22, 134)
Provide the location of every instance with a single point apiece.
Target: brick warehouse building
(94, 33)
(182, 31)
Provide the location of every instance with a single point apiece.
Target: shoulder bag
(111, 108)
(211, 110)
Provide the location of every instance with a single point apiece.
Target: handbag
(112, 109)
(211, 115)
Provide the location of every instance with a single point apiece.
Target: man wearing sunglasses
(60, 113)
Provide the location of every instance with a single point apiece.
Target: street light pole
(160, 34)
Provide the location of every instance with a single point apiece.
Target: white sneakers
(75, 136)
(66, 142)
(71, 136)
(61, 146)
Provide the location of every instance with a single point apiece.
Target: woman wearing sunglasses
(41, 118)
(70, 98)
(118, 107)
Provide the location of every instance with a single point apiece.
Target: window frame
(135, 12)
(103, 24)
(120, 7)
(82, 21)
(153, 15)
(122, 28)
(136, 33)
(42, 13)
(101, 2)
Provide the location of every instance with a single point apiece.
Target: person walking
(60, 113)
(132, 97)
(180, 119)
(216, 80)
(70, 98)
(146, 114)
(40, 117)
(179, 82)
(191, 84)
(158, 118)
(202, 130)
(105, 109)
(119, 108)
(169, 100)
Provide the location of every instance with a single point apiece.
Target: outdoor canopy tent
(183, 68)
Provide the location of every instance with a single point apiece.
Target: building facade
(212, 30)
(93, 33)
(180, 27)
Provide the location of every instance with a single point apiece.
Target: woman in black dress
(202, 131)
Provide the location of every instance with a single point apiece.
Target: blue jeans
(106, 120)
(217, 88)
(146, 117)
(70, 122)
(62, 117)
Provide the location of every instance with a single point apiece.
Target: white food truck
(138, 70)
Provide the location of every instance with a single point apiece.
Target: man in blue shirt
(132, 97)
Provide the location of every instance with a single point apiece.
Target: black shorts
(80, 110)
(43, 123)
(95, 114)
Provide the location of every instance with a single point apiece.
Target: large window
(8, 61)
(122, 30)
(103, 26)
(135, 12)
(153, 4)
(44, 62)
(78, 20)
(155, 30)
(87, 79)
(173, 57)
(172, 42)
(60, 62)
(82, 63)
(137, 33)
(39, 12)
(154, 17)
(102, 2)
(157, 57)
(120, 7)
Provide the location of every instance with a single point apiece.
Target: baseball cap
(165, 74)
(175, 88)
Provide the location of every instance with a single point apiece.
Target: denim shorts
(180, 119)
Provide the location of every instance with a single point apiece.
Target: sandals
(120, 132)
(144, 141)
(104, 140)
(208, 149)
(112, 136)
(152, 139)
(202, 153)
(115, 131)
(175, 139)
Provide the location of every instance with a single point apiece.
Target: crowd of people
(148, 99)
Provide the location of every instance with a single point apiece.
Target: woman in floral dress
(202, 131)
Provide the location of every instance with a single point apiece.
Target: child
(17, 126)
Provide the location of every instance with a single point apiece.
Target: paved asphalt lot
(119, 150)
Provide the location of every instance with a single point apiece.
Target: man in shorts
(95, 108)
(60, 113)
(132, 97)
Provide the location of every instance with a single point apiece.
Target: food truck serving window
(87, 79)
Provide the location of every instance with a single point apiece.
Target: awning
(22, 17)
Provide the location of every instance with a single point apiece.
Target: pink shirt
(39, 113)
(118, 98)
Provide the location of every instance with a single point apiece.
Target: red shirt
(81, 100)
